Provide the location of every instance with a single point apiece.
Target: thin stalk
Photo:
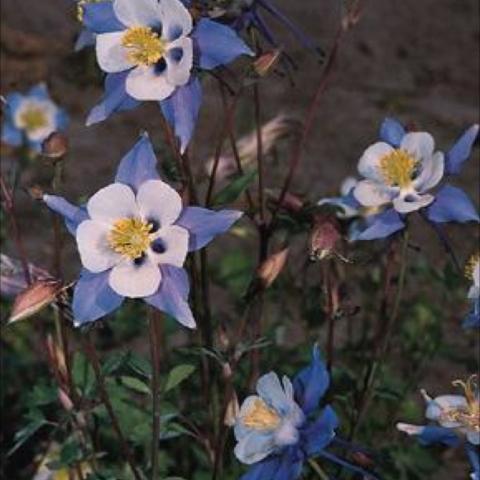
(317, 469)
(9, 208)
(91, 353)
(382, 348)
(154, 323)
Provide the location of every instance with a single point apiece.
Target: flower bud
(267, 62)
(55, 145)
(232, 411)
(271, 267)
(324, 237)
(34, 298)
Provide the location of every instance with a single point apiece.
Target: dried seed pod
(271, 267)
(267, 62)
(324, 237)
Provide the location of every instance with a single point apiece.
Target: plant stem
(154, 319)
(382, 348)
(91, 353)
(317, 469)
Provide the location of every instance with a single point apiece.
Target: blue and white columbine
(281, 426)
(133, 237)
(31, 118)
(458, 419)
(400, 174)
(472, 272)
(151, 50)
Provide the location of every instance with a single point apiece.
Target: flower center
(33, 118)
(261, 417)
(472, 265)
(130, 237)
(80, 5)
(469, 416)
(144, 46)
(398, 168)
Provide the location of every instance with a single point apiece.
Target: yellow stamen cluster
(469, 416)
(33, 118)
(398, 168)
(261, 417)
(471, 265)
(144, 46)
(130, 237)
(80, 5)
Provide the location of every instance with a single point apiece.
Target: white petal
(112, 56)
(143, 83)
(410, 429)
(255, 446)
(473, 436)
(112, 203)
(418, 144)
(411, 202)
(287, 434)
(174, 242)
(444, 402)
(137, 13)
(95, 252)
(135, 281)
(372, 194)
(179, 60)
(347, 185)
(176, 19)
(432, 172)
(158, 201)
(369, 163)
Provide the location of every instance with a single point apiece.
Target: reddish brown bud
(363, 460)
(35, 192)
(267, 62)
(271, 267)
(324, 237)
(34, 298)
(292, 203)
(55, 145)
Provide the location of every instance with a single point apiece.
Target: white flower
(155, 47)
(267, 421)
(37, 117)
(401, 176)
(132, 235)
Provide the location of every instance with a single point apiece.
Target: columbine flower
(350, 209)
(458, 417)
(245, 14)
(133, 237)
(150, 50)
(31, 118)
(399, 174)
(278, 429)
(472, 272)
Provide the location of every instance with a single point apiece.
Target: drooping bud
(34, 298)
(324, 237)
(232, 411)
(55, 146)
(36, 192)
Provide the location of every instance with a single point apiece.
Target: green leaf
(235, 188)
(177, 375)
(25, 433)
(135, 384)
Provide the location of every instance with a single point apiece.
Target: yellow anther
(130, 237)
(144, 46)
(398, 168)
(471, 265)
(261, 417)
(33, 118)
(469, 416)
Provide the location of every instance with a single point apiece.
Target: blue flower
(472, 272)
(151, 50)
(31, 118)
(400, 173)
(133, 237)
(244, 14)
(457, 418)
(280, 427)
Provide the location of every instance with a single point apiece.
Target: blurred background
(417, 61)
